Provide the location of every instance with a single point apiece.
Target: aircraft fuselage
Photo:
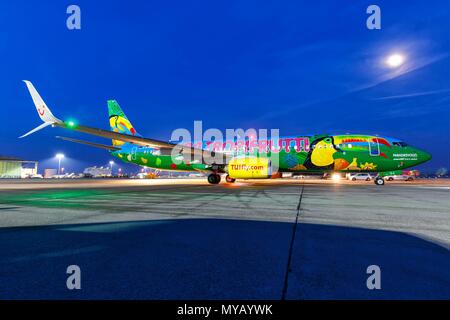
(319, 153)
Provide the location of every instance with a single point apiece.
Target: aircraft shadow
(217, 259)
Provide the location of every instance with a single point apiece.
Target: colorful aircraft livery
(249, 158)
(119, 122)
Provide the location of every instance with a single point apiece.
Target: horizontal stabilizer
(92, 144)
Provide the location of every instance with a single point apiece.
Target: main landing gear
(214, 178)
(379, 181)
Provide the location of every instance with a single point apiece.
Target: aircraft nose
(424, 156)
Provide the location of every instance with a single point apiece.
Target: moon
(395, 60)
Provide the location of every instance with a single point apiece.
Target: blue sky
(300, 66)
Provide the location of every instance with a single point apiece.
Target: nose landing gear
(379, 181)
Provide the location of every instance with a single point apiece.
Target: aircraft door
(374, 148)
(133, 153)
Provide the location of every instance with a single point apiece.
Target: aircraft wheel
(229, 179)
(379, 181)
(214, 178)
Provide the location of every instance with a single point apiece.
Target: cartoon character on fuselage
(321, 154)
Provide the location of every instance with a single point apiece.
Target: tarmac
(186, 239)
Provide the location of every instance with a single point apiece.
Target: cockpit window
(400, 144)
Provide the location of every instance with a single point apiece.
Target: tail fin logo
(119, 122)
(41, 110)
(122, 125)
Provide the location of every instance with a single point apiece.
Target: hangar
(14, 168)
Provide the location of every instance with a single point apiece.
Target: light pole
(59, 156)
(111, 163)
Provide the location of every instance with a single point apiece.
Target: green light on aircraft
(71, 124)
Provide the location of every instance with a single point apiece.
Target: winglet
(43, 111)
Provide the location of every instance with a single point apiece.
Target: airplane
(322, 153)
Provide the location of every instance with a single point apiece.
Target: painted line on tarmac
(291, 246)
(431, 187)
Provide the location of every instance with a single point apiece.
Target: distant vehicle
(360, 176)
(35, 176)
(64, 176)
(195, 175)
(400, 177)
(308, 176)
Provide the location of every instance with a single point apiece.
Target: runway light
(395, 60)
(336, 177)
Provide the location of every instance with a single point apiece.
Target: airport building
(98, 172)
(14, 168)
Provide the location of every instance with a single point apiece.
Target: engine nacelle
(250, 168)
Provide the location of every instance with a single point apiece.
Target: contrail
(416, 94)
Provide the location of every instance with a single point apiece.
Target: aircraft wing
(49, 119)
(166, 147)
(140, 141)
